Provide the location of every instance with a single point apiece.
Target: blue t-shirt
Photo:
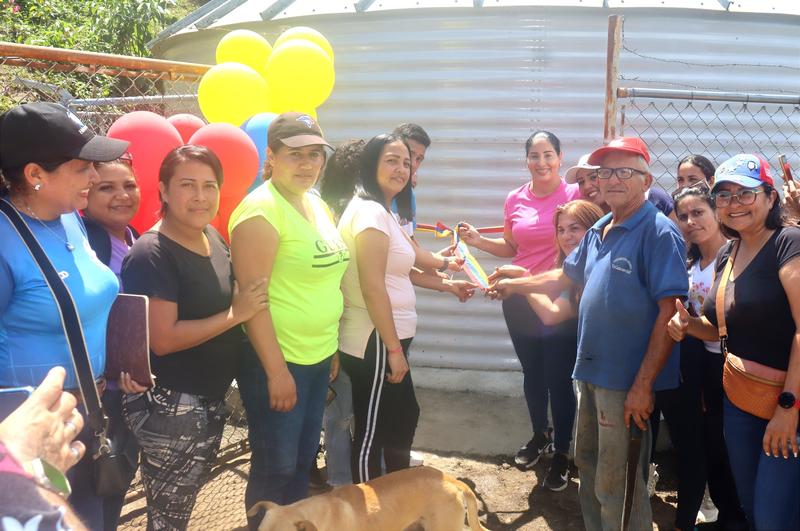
(640, 261)
(32, 339)
(661, 200)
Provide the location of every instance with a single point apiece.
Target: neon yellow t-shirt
(305, 301)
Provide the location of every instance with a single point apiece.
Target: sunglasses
(126, 158)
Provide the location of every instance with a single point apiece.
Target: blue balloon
(256, 128)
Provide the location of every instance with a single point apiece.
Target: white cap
(583, 164)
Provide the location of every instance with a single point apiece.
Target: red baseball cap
(628, 144)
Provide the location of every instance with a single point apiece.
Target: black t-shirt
(757, 312)
(201, 286)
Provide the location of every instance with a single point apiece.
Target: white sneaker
(416, 459)
(708, 511)
(652, 479)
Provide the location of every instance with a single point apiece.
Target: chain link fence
(99, 88)
(676, 123)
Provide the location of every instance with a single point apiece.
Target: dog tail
(472, 507)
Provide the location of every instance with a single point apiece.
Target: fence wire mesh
(99, 89)
(674, 128)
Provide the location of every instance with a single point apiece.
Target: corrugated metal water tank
(481, 81)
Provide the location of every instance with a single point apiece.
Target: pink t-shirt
(530, 219)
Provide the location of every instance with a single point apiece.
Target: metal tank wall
(481, 81)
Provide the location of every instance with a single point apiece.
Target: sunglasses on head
(699, 186)
(126, 158)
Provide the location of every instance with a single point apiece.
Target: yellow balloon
(232, 93)
(246, 47)
(309, 34)
(300, 73)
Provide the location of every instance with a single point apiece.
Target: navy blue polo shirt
(623, 276)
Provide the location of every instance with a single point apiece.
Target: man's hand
(639, 405)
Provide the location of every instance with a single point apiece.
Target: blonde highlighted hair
(585, 212)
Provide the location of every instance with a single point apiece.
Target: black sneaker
(529, 454)
(558, 476)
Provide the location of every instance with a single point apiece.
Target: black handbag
(114, 462)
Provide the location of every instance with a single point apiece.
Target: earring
(37, 187)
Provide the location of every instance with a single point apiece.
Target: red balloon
(151, 137)
(186, 124)
(239, 157)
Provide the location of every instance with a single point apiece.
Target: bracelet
(445, 265)
(398, 350)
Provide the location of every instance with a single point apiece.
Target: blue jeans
(283, 445)
(769, 487)
(338, 422)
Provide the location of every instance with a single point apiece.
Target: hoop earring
(37, 187)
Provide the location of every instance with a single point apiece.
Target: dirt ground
(509, 499)
(514, 500)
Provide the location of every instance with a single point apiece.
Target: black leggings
(385, 414)
(693, 413)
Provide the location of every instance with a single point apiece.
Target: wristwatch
(787, 400)
(445, 265)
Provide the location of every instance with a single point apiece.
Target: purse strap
(70, 320)
(722, 328)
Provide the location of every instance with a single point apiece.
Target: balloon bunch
(252, 77)
(152, 136)
(251, 84)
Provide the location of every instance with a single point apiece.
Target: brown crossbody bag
(750, 386)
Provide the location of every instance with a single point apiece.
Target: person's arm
(780, 437)
(372, 252)
(551, 312)
(254, 245)
(554, 280)
(504, 247)
(462, 289)
(168, 334)
(424, 259)
(639, 402)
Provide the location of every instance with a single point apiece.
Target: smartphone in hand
(786, 170)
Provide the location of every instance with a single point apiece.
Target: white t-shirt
(700, 282)
(355, 326)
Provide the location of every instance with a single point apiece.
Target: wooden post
(612, 77)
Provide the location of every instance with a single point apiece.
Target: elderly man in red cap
(630, 265)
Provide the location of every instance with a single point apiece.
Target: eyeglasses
(623, 174)
(743, 197)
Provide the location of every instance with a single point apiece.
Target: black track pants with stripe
(385, 414)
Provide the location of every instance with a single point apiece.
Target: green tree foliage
(112, 26)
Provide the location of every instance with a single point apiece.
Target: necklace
(68, 245)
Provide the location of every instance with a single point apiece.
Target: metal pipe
(60, 55)
(707, 95)
(132, 100)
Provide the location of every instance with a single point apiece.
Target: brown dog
(416, 498)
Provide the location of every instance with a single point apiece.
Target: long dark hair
(775, 217)
(693, 254)
(368, 187)
(341, 175)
